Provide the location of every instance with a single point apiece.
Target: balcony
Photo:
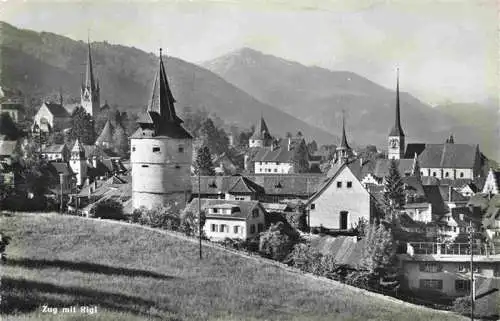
(432, 248)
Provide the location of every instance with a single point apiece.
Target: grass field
(131, 273)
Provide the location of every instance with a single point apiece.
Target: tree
(203, 164)
(82, 127)
(393, 189)
(189, 223)
(312, 147)
(4, 241)
(55, 138)
(300, 157)
(120, 141)
(8, 127)
(379, 250)
(276, 243)
(109, 209)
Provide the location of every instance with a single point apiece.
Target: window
(177, 166)
(144, 166)
(181, 149)
(215, 210)
(349, 184)
(447, 174)
(339, 184)
(260, 227)
(275, 170)
(434, 174)
(214, 228)
(133, 148)
(461, 174)
(255, 212)
(252, 229)
(463, 267)
(223, 228)
(477, 269)
(431, 284)
(497, 272)
(431, 267)
(156, 149)
(235, 229)
(313, 206)
(462, 285)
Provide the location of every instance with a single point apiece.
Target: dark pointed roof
(343, 142)
(245, 186)
(397, 130)
(261, 132)
(106, 135)
(160, 118)
(89, 74)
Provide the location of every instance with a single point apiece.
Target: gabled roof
(380, 167)
(245, 207)
(60, 168)
(280, 155)
(455, 196)
(245, 186)
(433, 196)
(55, 148)
(449, 156)
(57, 110)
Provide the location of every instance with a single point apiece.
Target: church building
(161, 151)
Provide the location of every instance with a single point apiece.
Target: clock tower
(396, 139)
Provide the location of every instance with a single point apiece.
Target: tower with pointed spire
(78, 162)
(343, 151)
(261, 136)
(396, 141)
(90, 91)
(161, 150)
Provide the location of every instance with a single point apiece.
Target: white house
(342, 200)
(492, 184)
(230, 219)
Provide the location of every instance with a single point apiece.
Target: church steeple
(344, 151)
(261, 136)
(90, 92)
(397, 136)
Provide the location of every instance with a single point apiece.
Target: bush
(361, 279)
(189, 224)
(277, 242)
(166, 217)
(4, 241)
(109, 209)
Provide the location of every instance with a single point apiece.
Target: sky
(446, 50)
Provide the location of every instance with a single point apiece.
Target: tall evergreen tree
(8, 127)
(378, 249)
(120, 140)
(203, 164)
(393, 189)
(300, 158)
(82, 127)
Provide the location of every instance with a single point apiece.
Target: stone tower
(78, 162)
(90, 91)
(261, 137)
(343, 151)
(396, 139)
(161, 151)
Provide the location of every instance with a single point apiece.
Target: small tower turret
(261, 137)
(396, 136)
(344, 151)
(78, 162)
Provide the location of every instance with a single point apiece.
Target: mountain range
(239, 87)
(318, 96)
(38, 63)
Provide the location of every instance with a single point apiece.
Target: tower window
(145, 165)
(156, 149)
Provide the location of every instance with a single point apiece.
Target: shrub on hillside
(189, 223)
(109, 209)
(4, 241)
(277, 242)
(166, 217)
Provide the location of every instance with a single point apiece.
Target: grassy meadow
(130, 273)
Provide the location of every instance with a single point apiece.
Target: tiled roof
(380, 167)
(449, 156)
(164, 130)
(56, 148)
(414, 184)
(299, 185)
(433, 196)
(246, 207)
(455, 196)
(57, 110)
(280, 155)
(7, 147)
(345, 249)
(414, 148)
(245, 186)
(60, 168)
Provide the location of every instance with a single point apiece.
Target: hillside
(318, 96)
(41, 63)
(132, 273)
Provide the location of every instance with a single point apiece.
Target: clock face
(394, 143)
